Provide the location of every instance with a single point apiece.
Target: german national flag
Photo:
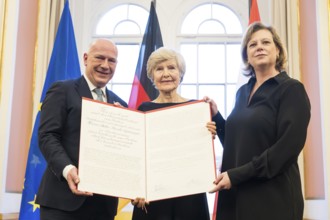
(142, 88)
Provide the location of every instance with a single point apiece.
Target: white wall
(9, 202)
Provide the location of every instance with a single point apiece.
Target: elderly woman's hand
(140, 203)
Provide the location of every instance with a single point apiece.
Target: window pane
(218, 153)
(127, 27)
(211, 27)
(109, 21)
(234, 62)
(127, 60)
(211, 68)
(138, 15)
(189, 52)
(188, 91)
(194, 18)
(231, 94)
(229, 20)
(123, 91)
(217, 93)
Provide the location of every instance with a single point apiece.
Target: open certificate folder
(158, 154)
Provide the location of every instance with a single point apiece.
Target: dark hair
(281, 59)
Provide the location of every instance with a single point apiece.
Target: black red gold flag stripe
(142, 88)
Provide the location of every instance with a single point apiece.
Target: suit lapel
(82, 88)
(109, 96)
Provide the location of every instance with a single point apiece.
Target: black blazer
(59, 134)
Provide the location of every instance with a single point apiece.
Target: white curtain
(48, 20)
(2, 24)
(285, 15)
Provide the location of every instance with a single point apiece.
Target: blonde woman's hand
(212, 128)
(222, 182)
(213, 105)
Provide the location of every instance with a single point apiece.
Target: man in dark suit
(59, 134)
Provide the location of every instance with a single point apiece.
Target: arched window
(125, 19)
(125, 24)
(210, 39)
(210, 43)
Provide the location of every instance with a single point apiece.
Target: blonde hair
(281, 59)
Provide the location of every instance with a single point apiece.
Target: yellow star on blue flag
(64, 64)
(34, 204)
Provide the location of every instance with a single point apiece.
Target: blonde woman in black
(263, 136)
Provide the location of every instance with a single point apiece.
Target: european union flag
(64, 64)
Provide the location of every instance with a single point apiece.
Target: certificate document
(156, 155)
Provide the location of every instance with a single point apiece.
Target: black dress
(262, 140)
(192, 207)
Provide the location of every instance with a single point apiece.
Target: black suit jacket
(59, 134)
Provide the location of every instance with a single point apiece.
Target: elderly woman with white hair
(166, 68)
